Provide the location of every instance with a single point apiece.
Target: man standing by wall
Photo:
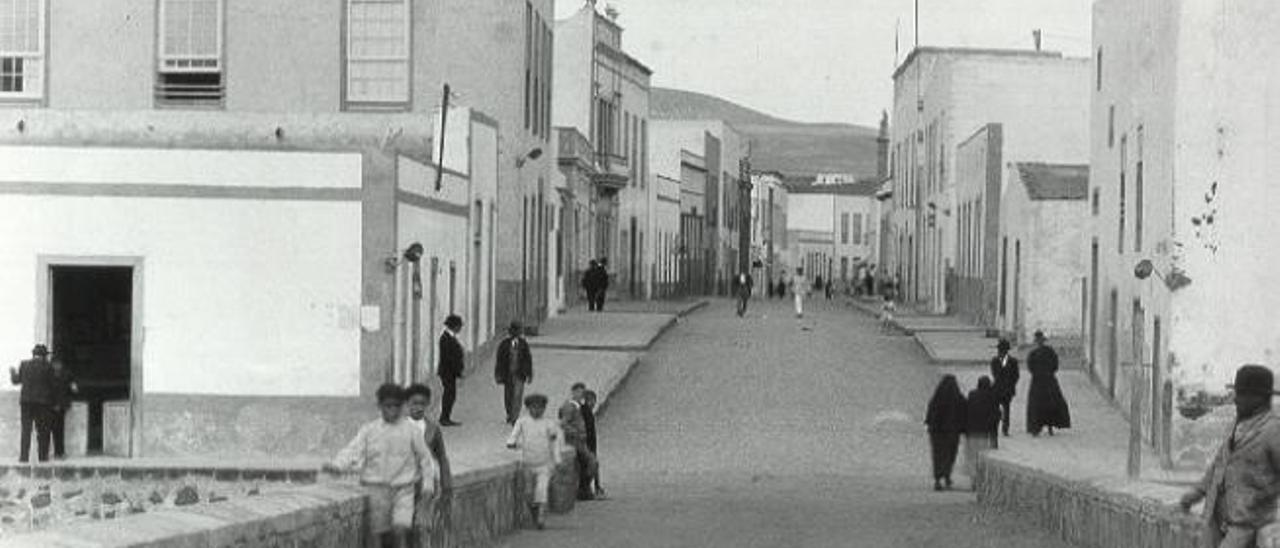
(1004, 373)
(36, 401)
(1239, 488)
(575, 434)
(513, 368)
(452, 363)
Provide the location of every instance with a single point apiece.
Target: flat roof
(989, 52)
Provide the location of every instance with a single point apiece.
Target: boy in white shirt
(392, 456)
(541, 442)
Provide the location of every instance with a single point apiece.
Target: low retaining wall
(1087, 514)
(154, 507)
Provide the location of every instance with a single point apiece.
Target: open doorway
(91, 329)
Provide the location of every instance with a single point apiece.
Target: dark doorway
(92, 327)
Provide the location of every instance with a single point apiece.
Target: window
(1098, 65)
(190, 60)
(1124, 145)
(857, 229)
(378, 52)
(1137, 197)
(21, 49)
(528, 65)
(1111, 126)
(844, 228)
(1095, 201)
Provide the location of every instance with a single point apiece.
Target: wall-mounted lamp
(531, 155)
(279, 133)
(1175, 280)
(412, 254)
(22, 125)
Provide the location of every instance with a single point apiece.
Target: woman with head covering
(981, 424)
(946, 420)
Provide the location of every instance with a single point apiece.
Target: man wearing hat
(1004, 376)
(513, 369)
(35, 402)
(1240, 487)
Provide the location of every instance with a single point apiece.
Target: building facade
(941, 97)
(845, 211)
(603, 92)
(297, 148)
(1181, 150)
(768, 228)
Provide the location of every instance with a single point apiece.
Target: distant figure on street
(768, 288)
(828, 288)
(742, 284)
(1004, 373)
(451, 367)
(590, 284)
(946, 419)
(395, 468)
(64, 386)
(887, 308)
(575, 435)
(982, 421)
(35, 402)
(431, 513)
(782, 286)
(798, 289)
(602, 283)
(513, 368)
(1239, 488)
(1046, 406)
(817, 283)
(589, 420)
(540, 441)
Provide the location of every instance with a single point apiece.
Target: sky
(823, 60)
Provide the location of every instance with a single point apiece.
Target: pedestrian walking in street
(870, 281)
(602, 282)
(982, 414)
(395, 468)
(1046, 406)
(1239, 488)
(63, 389)
(575, 435)
(827, 289)
(431, 514)
(742, 284)
(768, 288)
(513, 368)
(798, 290)
(540, 441)
(782, 286)
(1004, 375)
(590, 284)
(887, 308)
(946, 419)
(451, 367)
(35, 402)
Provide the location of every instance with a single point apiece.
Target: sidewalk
(947, 340)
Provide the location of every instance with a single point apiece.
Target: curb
(674, 319)
(618, 382)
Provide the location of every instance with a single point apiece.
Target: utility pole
(744, 215)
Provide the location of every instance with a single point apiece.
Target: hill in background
(789, 147)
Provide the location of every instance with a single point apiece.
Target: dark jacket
(36, 378)
(572, 423)
(589, 421)
(1004, 379)
(983, 412)
(451, 359)
(62, 382)
(524, 360)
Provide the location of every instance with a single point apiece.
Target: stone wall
(1087, 514)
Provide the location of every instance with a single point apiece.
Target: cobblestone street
(768, 431)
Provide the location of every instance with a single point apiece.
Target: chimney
(882, 147)
(1035, 35)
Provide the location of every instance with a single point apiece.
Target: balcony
(575, 149)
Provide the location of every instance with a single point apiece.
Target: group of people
(985, 414)
(47, 389)
(595, 283)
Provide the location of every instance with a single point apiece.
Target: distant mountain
(786, 146)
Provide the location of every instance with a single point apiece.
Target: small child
(430, 510)
(886, 313)
(393, 459)
(541, 442)
(589, 417)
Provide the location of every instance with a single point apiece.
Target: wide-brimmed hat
(40, 350)
(1039, 335)
(1003, 345)
(1254, 379)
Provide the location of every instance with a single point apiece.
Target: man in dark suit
(513, 369)
(1004, 372)
(450, 368)
(35, 402)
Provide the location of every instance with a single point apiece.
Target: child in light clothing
(392, 456)
(540, 442)
(886, 313)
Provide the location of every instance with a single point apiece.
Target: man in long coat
(452, 362)
(590, 284)
(1046, 406)
(1239, 488)
(513, 368)
(1004, 375)
(35, 402)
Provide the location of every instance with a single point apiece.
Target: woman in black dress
(1046, 406)
(946, 420)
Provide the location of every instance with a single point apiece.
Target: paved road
(769, 432)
